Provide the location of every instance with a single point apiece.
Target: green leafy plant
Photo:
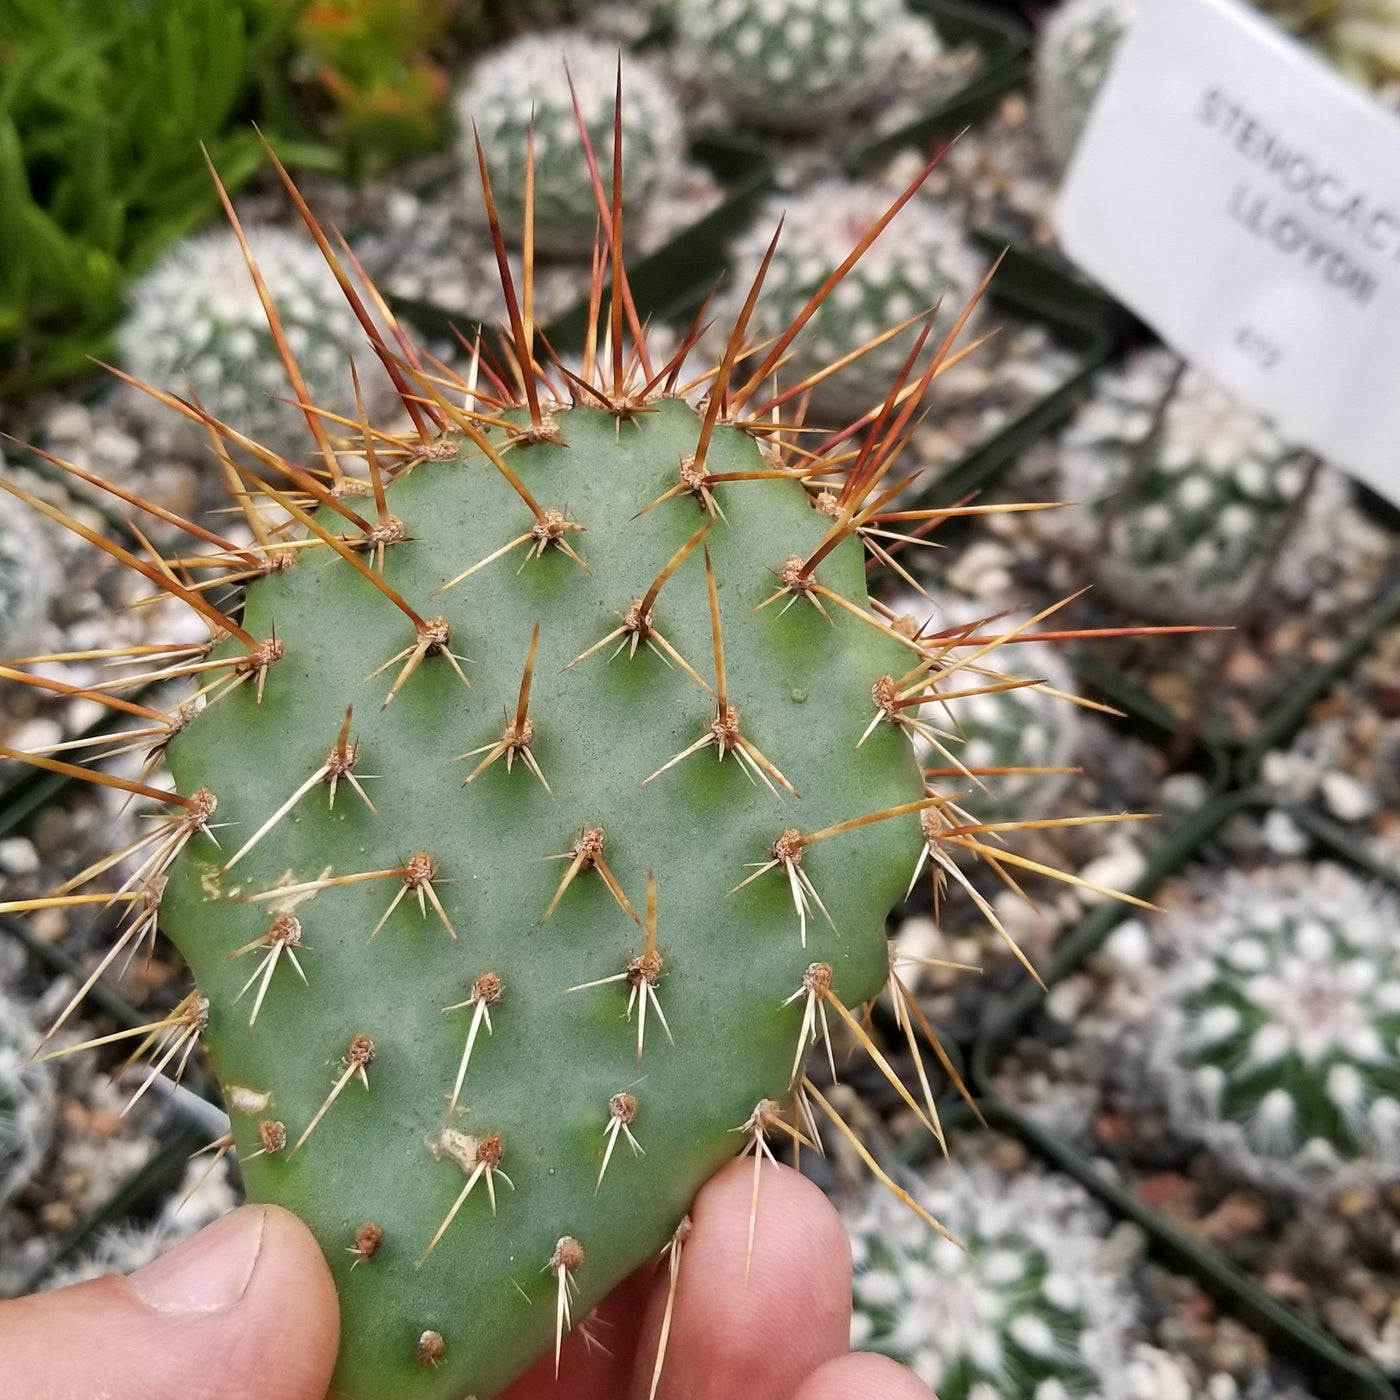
(103, 106)
(372, 57)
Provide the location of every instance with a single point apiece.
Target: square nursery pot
(1336, 1368)
(1289, 681)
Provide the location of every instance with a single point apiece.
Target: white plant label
(1244, 200)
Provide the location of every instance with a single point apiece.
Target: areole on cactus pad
(540, 808)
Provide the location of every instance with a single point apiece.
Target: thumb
(244, 1310)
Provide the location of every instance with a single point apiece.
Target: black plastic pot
(1004, 43)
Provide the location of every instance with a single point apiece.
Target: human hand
(246, 1310)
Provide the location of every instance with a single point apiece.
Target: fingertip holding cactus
(26, 1100)
(1189, 514)
(539, 766)
(921, 261)
(529, 81)
(1276, 1024)
(1021, 1310)
(789, 64)
(197, 328)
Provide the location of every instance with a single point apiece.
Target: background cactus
(1072, 57)
(26, 1100)
(528, 75)
(1024, 1312)
(790, 64)
(1210, 496)
(921, 260)
(1277, 1023)
(28, 577)
(1028, 727)
(197, 326)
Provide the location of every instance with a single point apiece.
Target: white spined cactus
(530, 78)
(1032, 726)
(26, 1100)
(1276, 1028)
(29, 576)
(921, 260)
(197, 328)
(1191, 521)
(1026, 1311)
(1072, 57)
(790, 64)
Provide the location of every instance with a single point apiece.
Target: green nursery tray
(1284, 721)
(1337, 1371)
(1331, 1371)
(1004, 44)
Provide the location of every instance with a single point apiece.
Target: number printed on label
(1265, 353)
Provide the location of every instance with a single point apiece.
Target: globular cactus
(1276, 1028)
(28, 577)
(1022, 1311)
(790, 64)
(1193, 511)
(542, 807)
(531, 76)
(1072, 57)
(197, 328)
(26, 1100)
(1020, 740)
(921, 260)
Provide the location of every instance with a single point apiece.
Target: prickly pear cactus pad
(546, 788)
(481, 812)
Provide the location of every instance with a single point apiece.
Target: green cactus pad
(545, 1075)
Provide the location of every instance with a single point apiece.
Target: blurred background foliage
(105, 105)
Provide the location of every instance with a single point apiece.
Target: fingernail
(208, 1272)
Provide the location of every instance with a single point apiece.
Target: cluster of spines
(197, 327)
(850, 486)
(513, 110)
